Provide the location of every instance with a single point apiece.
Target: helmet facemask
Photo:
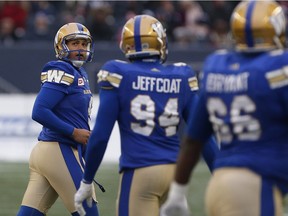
(62, 50)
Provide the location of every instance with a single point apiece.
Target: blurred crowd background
(27, 31)
(185, 21)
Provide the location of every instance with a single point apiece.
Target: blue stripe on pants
(125, 193)
(76, 174)
(267, 201)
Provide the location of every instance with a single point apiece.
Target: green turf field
(14, 178)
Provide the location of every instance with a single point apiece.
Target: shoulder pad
(106, 78)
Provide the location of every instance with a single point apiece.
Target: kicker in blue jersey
(62, 76)
(62, 107)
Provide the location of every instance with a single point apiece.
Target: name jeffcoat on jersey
(75, 108)
(152, 99)
(247, 100)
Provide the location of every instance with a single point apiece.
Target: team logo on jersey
(81, 82)
(57, 76)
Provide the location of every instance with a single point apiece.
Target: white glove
(176, 203)
(85, 192)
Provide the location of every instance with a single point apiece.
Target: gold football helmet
(144, 36)
(258, 26)
(72, 31)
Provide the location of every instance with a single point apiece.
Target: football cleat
(258, 26)
(72, 31)
(143, 36)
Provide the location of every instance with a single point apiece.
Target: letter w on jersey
(56, 76)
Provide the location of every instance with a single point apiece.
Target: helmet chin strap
(77, 64)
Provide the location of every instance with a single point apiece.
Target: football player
(244, 100)
(148, 100)
(63, 107)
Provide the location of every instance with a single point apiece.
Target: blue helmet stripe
(248, 28)
(80, 27)
(137, 38)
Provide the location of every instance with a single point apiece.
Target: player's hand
(85, 192)
(175, 207)
(81, 135)
(176, 204)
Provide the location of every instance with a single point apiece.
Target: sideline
(18, 132)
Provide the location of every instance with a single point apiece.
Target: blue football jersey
(75, 108)
(244, 99)
(153, 98)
